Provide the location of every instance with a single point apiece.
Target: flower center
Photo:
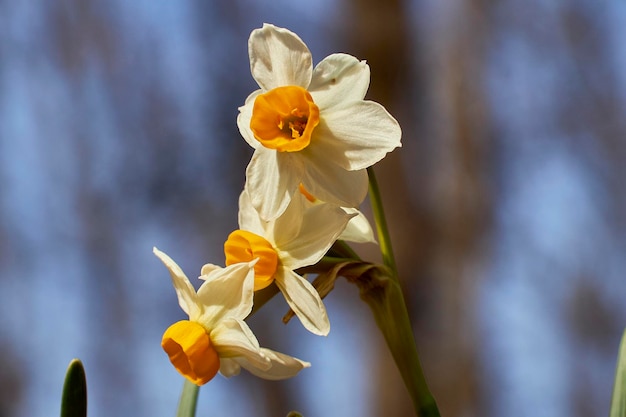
(244, 246)
(191, 352)
(284, 118)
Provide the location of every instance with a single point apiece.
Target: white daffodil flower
(309, 125)
(298, 238)
(216, 337)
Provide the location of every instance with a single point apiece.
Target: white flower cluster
(313, 136)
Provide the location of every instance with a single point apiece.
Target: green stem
(381, 223)
(188, 400)
(389, 308)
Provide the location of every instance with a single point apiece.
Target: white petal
(187, 298)
(338, 79)
(356, 136)
(233, 338)
(278, 57)
(304, 300)
(287, 226)
(248, 216)
(321, 225)
(358, 229)
(271, 179)
(327, 147)
(229, 367)
(244, 117)
(331, 183)
(207, 269)
(227, 292)
(283, 366)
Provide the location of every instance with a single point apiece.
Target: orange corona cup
(284, 118)
(190, 350)
(244, 246)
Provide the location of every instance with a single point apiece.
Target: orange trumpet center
(191, 352)
(284, 118)
(244, 246)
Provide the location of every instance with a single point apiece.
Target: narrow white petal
(358, 229)
(304, 300)
(207, 269)
(248, 216)
(356, 136)
(278, 57)
(283, 366)
(233, 338)
(229, 367)
(337, 79)
(227, 292)
(321, 225)
(244, 117)
(271, 179)
(187, 298)
(286, 227)
(331, 183)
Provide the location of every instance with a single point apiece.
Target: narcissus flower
(298, 238)
(309, 126)
(216, 337)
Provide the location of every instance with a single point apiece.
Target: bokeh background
(506, 202)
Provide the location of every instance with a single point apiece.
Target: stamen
(305, 193)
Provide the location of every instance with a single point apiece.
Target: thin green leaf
(188, 400)
(74, 399)
(618, 402)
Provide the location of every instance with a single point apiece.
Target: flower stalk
(381, 223)
(188, 400)
(383, 293)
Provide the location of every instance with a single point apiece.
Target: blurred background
(506, 202)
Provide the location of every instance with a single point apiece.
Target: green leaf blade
(74, 398)
(618, 401)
